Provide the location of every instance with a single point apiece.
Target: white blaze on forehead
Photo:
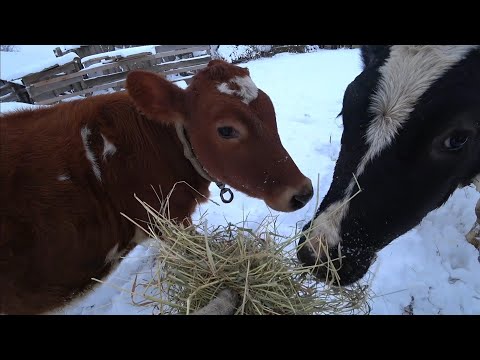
(407, 74)
(108, 147)
(63, 177)
(247, 91)
(85, 133)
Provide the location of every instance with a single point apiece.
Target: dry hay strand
(195, 263)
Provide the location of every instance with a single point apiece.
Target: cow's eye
(455, 142)
(228, 132)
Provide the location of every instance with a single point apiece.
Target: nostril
(304, 196)
(300, 200)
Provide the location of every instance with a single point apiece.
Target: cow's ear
(374, 53)
(156, 97)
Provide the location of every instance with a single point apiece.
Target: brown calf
(67, 173)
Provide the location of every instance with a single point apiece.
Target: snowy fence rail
(109, 71)
(13, 92)
(87, 50)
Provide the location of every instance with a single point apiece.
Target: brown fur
(55, 235)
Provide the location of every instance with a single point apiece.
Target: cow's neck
(149, 154)
(190, 155)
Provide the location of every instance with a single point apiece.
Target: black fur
(413, 176)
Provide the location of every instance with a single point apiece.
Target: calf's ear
(156, 97)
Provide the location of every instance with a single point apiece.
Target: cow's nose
(301, 198)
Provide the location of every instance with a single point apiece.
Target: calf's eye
(455, 142)
(228, 132)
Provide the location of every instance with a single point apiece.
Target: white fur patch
(63, 177)
(476, 182)
(85, 133)
(108, 148)
(248, 90)
(407, 74)
(328, 222)
(112, 255)
(325, 229)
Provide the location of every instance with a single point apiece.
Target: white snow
(432, 263)
(231, 53)
(124, 52)
(69, 47)
(7, 107)
(199, 53)
(12, 69)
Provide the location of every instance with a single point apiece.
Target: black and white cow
(411, 137)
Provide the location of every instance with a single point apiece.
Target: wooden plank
(119, 83)
(44, 96)
(99, 80)
(115, 58)
(35, 91)
(163, 48)
(109, 66)
(83, 92)
(52, 71)
(117, 79)
(99, 59)
(19, 91)
(177, 67)
(51, 91)
(9, 97)
(6, 89)
(164, 53)
(99, 69)
(185, 69)
(181, 64)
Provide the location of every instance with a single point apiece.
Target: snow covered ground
(429, 270)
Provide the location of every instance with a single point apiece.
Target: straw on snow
(258, 267)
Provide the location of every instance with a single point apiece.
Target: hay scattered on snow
(196, 263)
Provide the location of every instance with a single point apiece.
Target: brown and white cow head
(411, 137)
(232, 129)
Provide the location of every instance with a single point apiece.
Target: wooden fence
(95, 68)
(102, 71)
(10, 91)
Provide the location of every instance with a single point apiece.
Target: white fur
(404, 78)
(248, 90)
(112, 255)
(85, 133)
(476, 182)
(108, 148)
(63, 177)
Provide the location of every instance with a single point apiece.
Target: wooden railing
(104, 71)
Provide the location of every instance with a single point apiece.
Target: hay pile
(196, 263)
